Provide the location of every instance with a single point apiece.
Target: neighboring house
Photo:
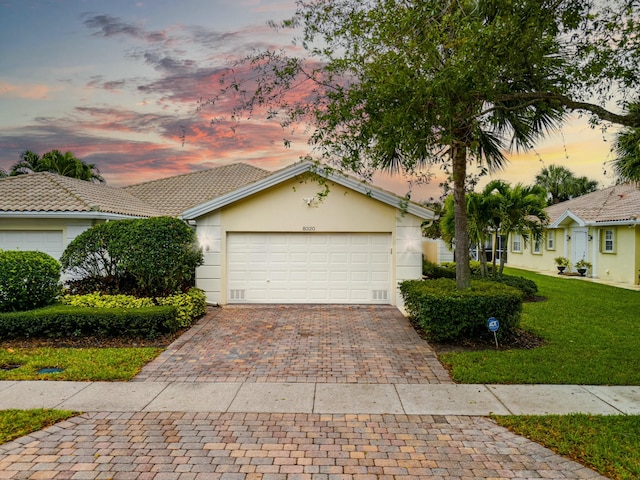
(602, 227)
(267, 237)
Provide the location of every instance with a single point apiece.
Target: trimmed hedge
(448, 314)
(60, 321)
(189, 306)
(448, 270)
(27, 280)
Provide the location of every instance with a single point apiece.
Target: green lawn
(592, 335)
(79, 364)
(17, 423)
(608, 444)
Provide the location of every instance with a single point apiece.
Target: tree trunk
(506, 242)
(459, 161)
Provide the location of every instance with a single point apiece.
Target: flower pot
(561, 270)
(582, 271)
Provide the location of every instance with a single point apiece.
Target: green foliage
(27, 280)
(152, 257)
(608, 444)
(99, 300)
(398, 86)
(18, 423)
(189, 306)
(592, 337)
(60, 321)
(433, 270)
(527, 286)
(65, 164)
(448, 314)
(448, 270)
(118, 364)
(561, 184)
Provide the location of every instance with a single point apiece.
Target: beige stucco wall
(619, 267)
(286, 208)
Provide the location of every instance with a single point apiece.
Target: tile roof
(174, 195)
(49, 192)
(613, 204)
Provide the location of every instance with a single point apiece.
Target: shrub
(152, 257)
(27, 280)
(189, 306)
(448, 314)
(433, 270)
(67, 321)
(526, 286)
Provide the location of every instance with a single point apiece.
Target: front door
(580, 242)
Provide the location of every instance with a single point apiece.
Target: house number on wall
(308, 229)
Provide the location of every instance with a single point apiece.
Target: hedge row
(189, 306)
(60, 321)
(448, 314)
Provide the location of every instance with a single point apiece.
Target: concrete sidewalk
(323, 398)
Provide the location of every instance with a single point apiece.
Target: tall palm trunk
(459, 163)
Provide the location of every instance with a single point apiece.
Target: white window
(537, 246)
(608, 241)
(517, 243)
(551, 240)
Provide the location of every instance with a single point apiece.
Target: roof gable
(617, 204)
(173, 195)
(299, 169)
(49, 193)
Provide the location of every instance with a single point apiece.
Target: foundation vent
(236, 294)
(380, 294)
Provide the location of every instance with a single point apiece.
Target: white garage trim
(309, 268)
(47, 241)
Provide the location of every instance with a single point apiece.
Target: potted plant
(562, 263)
(582, 266)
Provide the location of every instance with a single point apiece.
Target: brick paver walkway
(243, 446)
(306, 343)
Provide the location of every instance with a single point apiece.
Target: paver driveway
(286, 344)
(305, 343)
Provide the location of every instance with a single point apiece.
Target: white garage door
(47, 241)
(309, 268)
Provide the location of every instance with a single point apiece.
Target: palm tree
(481, 215)
(3, 173)
(561, 184)
(519, 210)
(29, 163)
(627, 150)
(582, 186)
(56, 162)
(556, 180)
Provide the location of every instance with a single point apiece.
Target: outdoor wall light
(590, 238)
(568, 237)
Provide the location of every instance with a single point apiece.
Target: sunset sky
(118, 82)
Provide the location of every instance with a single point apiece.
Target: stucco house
(302, 234)
(602, 227)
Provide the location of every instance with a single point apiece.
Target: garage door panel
(309, 268)
(47, 241)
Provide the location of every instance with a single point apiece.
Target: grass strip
(608, 444)
(592, 337)
(17, 423)
(78, 364)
